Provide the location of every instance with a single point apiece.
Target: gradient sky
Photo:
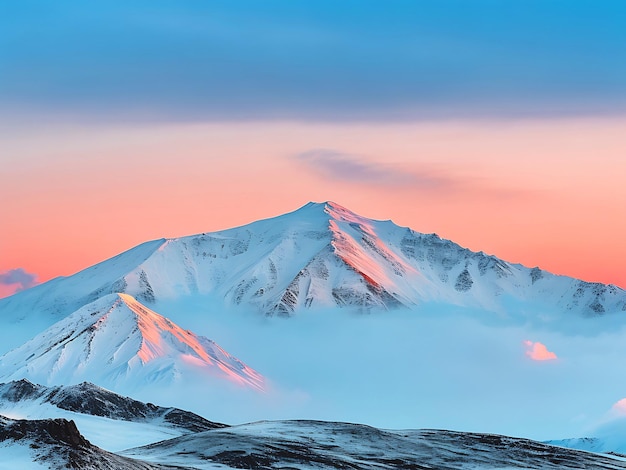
(500, 125)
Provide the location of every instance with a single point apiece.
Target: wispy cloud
(18, 278)
(353, 168)
(420, 178)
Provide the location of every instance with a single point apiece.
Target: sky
(499, 125)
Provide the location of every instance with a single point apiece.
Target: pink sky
(539, 192)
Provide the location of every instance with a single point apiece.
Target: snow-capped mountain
(107, 419)
(319, 255)
(116, 341)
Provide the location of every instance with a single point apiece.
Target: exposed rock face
(464, 281)
(21, 390)
(58, 444)
(47, 431)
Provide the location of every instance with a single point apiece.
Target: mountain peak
(338, 212)
(331, 209)
(117, 338)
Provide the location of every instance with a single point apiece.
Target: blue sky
(314, 60)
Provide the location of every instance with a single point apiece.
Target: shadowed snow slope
(58, 443)
(116, 340)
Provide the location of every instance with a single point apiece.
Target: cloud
(343, 166)
(538, 351)
(19, 278)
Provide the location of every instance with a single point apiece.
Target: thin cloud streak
(342, 166)
(354, 169)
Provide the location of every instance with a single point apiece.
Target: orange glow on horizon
(542, 192)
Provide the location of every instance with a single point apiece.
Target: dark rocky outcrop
(58, 443)
(87, 398)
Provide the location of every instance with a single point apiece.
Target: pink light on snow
(538, 351)
(159, 335)
(344, 225)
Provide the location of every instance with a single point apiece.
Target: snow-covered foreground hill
(56, 443)
(317, 444)
(47, 437)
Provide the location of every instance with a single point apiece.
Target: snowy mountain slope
(89, 399)
(321, 255)
(317, 444)
(61, 296)
(117, 341)
(56, 443)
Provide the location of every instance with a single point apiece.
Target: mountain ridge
(320, 255)
(90, 399)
